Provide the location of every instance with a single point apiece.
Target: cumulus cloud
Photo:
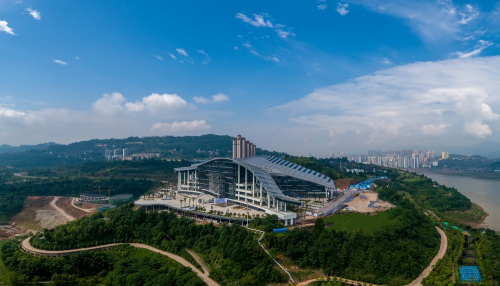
(34, 13)
(219, 97)
(109, 103)
(434, 129)
(182, 52)
(60, 62)
(181, 126)
(156, 103)
(4, 27)
(403, 104)
(322, 7)
(201, 99)
(477, 128)
(342, 9)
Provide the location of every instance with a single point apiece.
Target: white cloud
(342, 9)
(401, 105)
(475, 34)
(207, 57)
(272, 59)
(34, 13)
(220, 97)
(236, 48)
(109, 103)
(284, 34)
(60, 62)
(181, 126)
(468, 14)
(201, 99)
(4, 27)
(435, 21)
(158, 57)
(322, 7)
(157, 103)
(116, 102)
(258, 20)
(479, 48)
(434, 129)
(477, 129)
(77, 58)
(182, 52)
(172, 56)
(385, 61)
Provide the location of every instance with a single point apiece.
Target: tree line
(233, 251)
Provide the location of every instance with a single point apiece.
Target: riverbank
(474, 217)
(485, 194)
(448, 172)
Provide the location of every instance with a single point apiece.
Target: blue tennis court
(469, 272)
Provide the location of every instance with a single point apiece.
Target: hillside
(182, 147)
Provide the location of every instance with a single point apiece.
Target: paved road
(27, 246)
(418, 281)
(53, 204)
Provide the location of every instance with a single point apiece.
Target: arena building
(265, 183)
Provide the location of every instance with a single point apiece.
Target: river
(485, 193)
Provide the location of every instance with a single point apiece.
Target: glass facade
(218, 177)
(294, 187)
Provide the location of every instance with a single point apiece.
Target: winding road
(204, 276)
(418, 281)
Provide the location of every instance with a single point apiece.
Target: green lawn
(355, 221)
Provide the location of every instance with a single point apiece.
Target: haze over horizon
(294, 77)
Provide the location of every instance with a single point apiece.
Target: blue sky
(298, 76)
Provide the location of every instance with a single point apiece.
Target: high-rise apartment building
(242, 148)
(445, 155)
(125, 152)
(107, 154)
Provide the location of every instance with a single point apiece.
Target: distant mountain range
(487, 149)
(49, 155)
(13, 149)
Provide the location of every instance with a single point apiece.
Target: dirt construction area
(44, 212)
(368, 202)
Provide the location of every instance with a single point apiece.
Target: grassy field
(474, 214)
(355, 221)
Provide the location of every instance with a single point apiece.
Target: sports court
(469, 272)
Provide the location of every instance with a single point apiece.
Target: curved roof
(262, 175)
(277, 165)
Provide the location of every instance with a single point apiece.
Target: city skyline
(294, 77)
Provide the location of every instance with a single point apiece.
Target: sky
(303, 77)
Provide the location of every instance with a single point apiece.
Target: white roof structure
(276, 165)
